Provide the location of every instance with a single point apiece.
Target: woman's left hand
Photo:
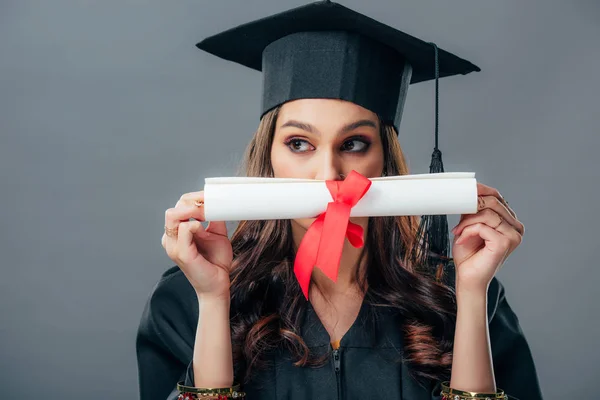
(484, 240)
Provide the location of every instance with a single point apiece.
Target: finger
(493, 203)
(169, 242)
(186, 247)
(193, 198)
(492, 219)
(189, 203)
(486, 216)
(197, 199)
(484, 190)
(217, 227)
(173, 216)
(511, 233)
(169, 237)
(495, 240)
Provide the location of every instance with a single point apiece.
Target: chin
(305, 223)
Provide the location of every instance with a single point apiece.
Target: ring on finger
(198, 203)
(171, 232)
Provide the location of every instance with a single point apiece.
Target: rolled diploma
(234, 199)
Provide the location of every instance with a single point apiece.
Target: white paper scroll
(234, 198)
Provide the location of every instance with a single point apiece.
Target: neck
(349, 264)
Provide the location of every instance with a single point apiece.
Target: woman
(232, 310)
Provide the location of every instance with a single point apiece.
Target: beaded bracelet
(453, 394)
(192, 393)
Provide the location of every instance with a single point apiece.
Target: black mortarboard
(325, 50)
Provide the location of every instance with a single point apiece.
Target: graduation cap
(325, 50)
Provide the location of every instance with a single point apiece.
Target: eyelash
(361, 139)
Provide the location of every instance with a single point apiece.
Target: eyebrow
(346, 128)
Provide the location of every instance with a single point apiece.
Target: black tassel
(432, 247)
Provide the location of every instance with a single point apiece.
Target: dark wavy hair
(268, 303)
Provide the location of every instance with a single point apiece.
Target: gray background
(108, 114)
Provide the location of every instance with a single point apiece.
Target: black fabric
(325, 50)
(334, 65)
(369, 353)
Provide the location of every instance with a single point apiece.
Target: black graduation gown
(365, 367)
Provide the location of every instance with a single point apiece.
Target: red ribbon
(323, 242)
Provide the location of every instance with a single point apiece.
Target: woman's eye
(298, 145)
(355, 145)
(352, 146)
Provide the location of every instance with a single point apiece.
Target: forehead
(327, 112)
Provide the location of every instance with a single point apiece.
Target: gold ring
(198, 203)
(171, 232)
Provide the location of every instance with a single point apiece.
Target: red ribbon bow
(323, 242)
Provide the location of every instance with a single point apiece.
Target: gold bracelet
(232, 392)
(449, 393)
(192, 396)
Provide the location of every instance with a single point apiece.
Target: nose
(329, 167)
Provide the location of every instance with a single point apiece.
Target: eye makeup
(363, 144)
(294, 142)
(353, 144)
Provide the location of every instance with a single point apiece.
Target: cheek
(370, 165)
(372, 168)
(277, 160)
(286, 164)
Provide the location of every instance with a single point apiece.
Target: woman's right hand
(204, 255)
